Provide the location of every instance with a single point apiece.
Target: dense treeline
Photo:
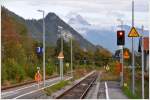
(18, 57)
(20, 60)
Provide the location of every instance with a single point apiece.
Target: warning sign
(38, 77)
(61, 55)
(146, 43)
(126, 55)
(133, 33)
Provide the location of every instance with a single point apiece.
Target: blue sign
(39, 49)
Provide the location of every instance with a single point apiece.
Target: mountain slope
(52, 21)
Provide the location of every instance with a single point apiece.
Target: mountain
(52, 21)
(105, 37)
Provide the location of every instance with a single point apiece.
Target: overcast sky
(97, 12)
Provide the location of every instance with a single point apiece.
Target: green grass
(127, 91)
(138, 87)
(56, 87)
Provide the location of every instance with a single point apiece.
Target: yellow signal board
(133, 33)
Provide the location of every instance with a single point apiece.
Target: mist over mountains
(104, 37)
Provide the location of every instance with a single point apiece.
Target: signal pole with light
(120, 43)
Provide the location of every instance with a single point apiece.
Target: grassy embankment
(138, 85)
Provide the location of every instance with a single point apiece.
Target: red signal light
(121, 37)
(120, 33)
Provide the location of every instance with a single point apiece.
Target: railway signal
(121, 43)
(120, 37)
(39, 50)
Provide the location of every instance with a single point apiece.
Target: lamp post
(70, 36)
(61, 60)
(71, 59)
(43, 46)
(61, 36)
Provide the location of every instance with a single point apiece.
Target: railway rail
(79, 90)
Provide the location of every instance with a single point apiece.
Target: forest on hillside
(20, 60)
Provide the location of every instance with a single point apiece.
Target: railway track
(79, 91)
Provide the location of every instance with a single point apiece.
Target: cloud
(116, 14)
(98, 12)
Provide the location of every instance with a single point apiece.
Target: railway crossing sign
(107, 68)
(126, 55)
(133, 33)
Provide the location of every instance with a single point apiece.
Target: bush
(129, 94)
(20, 71)
(50, 68)
(31, 71)
(4, 74)
(14, 70)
